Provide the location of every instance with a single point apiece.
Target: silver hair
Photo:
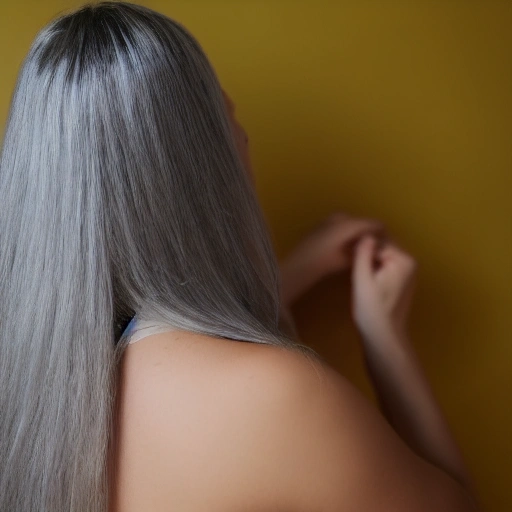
(122, 191)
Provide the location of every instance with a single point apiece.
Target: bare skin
(208, 424)
(213, 425)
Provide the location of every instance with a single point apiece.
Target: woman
(126, 194)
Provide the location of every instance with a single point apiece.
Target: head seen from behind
(123, 191)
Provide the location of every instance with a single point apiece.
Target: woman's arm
(287, 323)
(408, 403)
(383, 280)
(326, 250)
(298, 274)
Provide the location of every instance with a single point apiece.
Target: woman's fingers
(363, 262)
(352, 230)
(358, 229)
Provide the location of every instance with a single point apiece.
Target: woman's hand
(326, 250)
(383, 282)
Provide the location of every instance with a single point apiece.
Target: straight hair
(122, 192)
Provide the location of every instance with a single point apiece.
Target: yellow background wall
(389, 109)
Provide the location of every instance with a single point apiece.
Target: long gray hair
(122, 192)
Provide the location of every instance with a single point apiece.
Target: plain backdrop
(399, 110)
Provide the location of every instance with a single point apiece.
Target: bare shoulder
(279, 429)
(318, 443)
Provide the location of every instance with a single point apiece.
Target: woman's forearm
(287, 323)
(298, 275)
(407, 401)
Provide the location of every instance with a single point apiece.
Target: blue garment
(123, 327)
(129, 327)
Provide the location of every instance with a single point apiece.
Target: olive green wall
(391, 109)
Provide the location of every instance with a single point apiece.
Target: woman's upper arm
(327, 448)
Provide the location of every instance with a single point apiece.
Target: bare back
(213, 425)
(179, 395)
